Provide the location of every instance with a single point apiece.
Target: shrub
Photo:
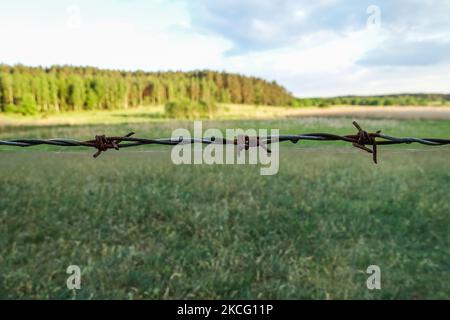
(10, 108)
(187, 109)
(26, 106)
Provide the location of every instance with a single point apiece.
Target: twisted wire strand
(361, 140)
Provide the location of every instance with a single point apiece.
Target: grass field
(140, 227)
(226, 112)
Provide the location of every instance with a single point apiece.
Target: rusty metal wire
(362, 139)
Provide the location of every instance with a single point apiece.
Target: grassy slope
(140, 227)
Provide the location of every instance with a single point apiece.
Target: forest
(31, 90)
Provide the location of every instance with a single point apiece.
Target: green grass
(141, 227)
(154, 129)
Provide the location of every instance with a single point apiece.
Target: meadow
(140, 227)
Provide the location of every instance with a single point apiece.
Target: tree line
(419, 99)
(30, 90)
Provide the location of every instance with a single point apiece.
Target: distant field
(228, 112)
(141, 227)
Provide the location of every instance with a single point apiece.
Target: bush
(187, 109)
(294, 103)
(10, 108)
(27, 106)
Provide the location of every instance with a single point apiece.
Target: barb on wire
(361, 140)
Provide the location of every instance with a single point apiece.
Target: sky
(313, 48)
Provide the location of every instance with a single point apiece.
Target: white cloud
(312, 48)
(300, 14)
(110, 42)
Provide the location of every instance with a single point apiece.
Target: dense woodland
(29, 90)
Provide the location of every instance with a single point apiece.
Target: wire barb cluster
(362, 139)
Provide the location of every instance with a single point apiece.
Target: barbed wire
(360, 140)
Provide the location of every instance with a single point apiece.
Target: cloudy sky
(313, 48)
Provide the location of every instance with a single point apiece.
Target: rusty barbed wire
(362, 139)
